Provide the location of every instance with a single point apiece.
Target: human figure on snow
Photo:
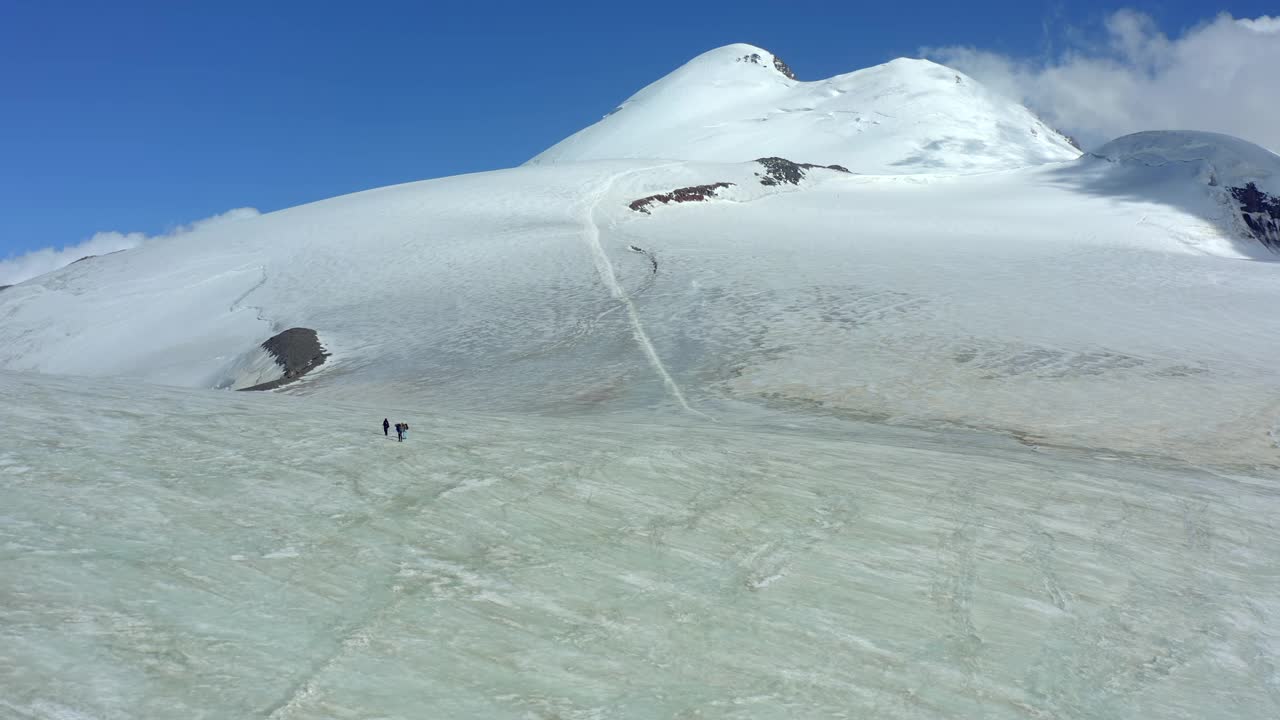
(386, 425)
(400, 432)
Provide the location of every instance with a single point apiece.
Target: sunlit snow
(933, 444)
(903, 117)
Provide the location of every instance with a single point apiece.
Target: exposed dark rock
(298, 351)
(653, 261)
(2, 287)
(90, 257)
(1261, 212)
(783, 67)
(777, 172)
(696, 193)
(781, 170)
(755, 59)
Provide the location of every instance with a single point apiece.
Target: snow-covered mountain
(740, 102)
(1109, 289)
(1240, 179)
(744, 402)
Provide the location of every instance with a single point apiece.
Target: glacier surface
(182, 553)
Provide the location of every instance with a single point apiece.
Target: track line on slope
(591, 231)
(256, 308)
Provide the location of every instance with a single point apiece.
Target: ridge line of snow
(604, 268)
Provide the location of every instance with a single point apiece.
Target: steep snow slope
(734, 104)
(1230, 160)
(178, 554)
(1064, 303)
(1242, 179)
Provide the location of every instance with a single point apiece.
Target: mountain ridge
(905, 116)
(785, 284)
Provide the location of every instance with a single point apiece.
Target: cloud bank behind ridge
(38, 262)
(1218, 76)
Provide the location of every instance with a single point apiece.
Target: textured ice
(196, 554)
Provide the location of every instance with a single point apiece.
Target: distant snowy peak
(740, 102)
(719, 78)
(1244, 176)
(1231, 160)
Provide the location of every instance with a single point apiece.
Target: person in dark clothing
(385, 425)
(399, 432)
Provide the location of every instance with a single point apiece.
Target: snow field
(1037, 302)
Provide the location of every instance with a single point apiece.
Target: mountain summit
(740, 102)
(850, 261)
(777, 437)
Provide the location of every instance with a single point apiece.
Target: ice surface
(199, 554)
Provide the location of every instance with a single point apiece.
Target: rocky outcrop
(783, 67)
(696, 193)
(777, 171)
(756, 59)
(653, 261)
(1261, 213)
(90, 257)
(297, 351)
(2, 287)
(781, 170)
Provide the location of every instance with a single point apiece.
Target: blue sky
(141, 116)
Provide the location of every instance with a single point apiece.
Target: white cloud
(1218, 76)
(232, 214)
(38, 262)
